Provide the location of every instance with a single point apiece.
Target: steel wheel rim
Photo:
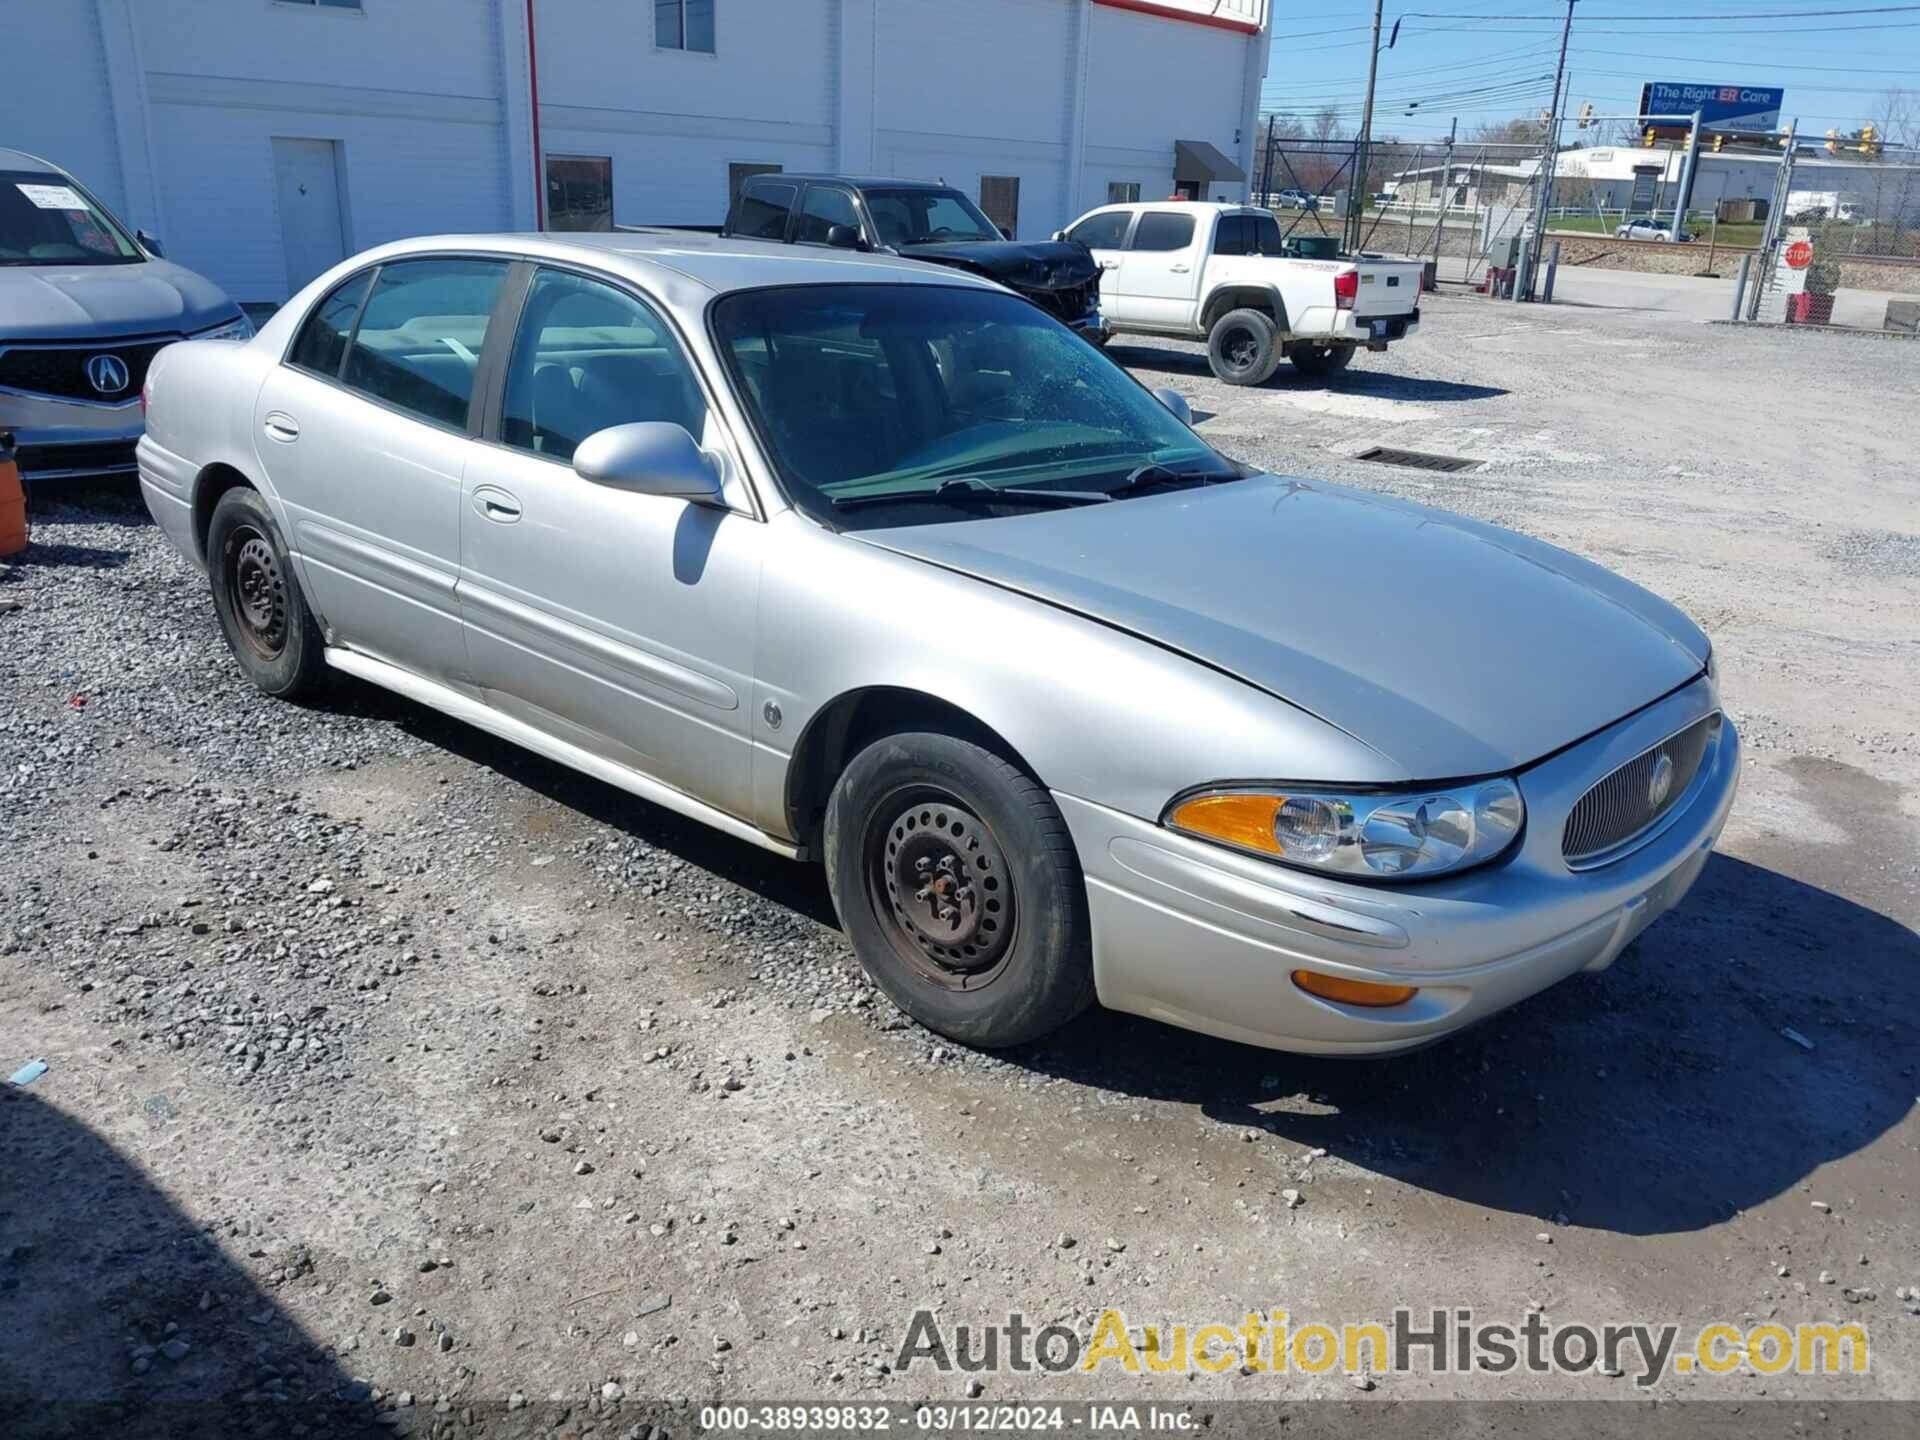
(941, 887)
(257, 592)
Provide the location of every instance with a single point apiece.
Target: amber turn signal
(1353, 992)
(1243, 820)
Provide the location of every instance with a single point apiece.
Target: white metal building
(264, 139)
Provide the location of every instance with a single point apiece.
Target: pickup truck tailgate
(1388, 288)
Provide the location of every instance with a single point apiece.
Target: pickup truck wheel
(1243, 347)
(262, 613)
(957, 882)
(1321, 361)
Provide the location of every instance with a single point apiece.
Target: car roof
(719, 263)
(859, 182)
(21, 160)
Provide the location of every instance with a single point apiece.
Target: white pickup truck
(1219, 273)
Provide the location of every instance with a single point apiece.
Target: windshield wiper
(1143, 477)
(971, 490)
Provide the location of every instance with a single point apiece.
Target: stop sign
(1800, 254)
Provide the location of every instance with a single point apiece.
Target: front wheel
(958, 885)
(1243, 347)
(1321, 361)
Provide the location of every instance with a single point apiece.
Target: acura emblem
(108, 374)
(1660, 783)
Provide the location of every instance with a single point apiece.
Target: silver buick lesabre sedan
(870, 562)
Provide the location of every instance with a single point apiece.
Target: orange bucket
(13, 500)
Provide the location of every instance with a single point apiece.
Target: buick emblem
(1660, 783)
(108, 374)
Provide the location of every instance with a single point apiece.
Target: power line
(1679, 19)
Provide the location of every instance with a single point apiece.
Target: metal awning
(1197, 160)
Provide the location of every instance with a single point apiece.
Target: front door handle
(496, 504)
(1109, 264)
(1179, 269)
(281, 426)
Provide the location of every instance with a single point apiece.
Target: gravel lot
(396, 1069)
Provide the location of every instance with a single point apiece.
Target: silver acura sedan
(874, 563)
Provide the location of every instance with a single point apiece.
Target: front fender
(1092, 710)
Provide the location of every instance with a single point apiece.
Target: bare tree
(1326, 125)
(1520, 130)
(1896, 115)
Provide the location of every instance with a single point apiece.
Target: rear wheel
(1321, 361)
(957, 882)
(262, 613)
(1243, 347)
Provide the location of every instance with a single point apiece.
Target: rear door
(1104, 232)
(1159, 275)
(623, 623)
(363, 434)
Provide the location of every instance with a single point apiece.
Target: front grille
(1068, 304)
(1623, 805)
(100, 457)
(62, 369)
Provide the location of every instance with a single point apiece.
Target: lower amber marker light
(1354, 992)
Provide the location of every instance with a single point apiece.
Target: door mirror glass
(1059, 234)
(1175, 402)
(150, 242)
(843, 237)
(649, 457)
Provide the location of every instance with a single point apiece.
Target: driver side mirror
(150, 243)
(1006, 232)
(1177, 403)
(651, 457)
(843, 237)
(1059, 234)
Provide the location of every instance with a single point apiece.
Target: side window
(763, 211)
(823, 208)
(322, 343)
(1163, 230)
(1231, 236)
(1266, 235)
(588, 356)
(421, 334)
(1102, 232)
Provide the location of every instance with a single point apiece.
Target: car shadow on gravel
(1659, 1096)
(120, 1316)
(1356, 380)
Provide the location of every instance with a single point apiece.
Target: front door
(313, 232)
(1160, 274)
(1105, 233)
(623, 623)
(363, 436)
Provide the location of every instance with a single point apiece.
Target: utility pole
(1356, 191)
(1688, 167)
(1549, 162)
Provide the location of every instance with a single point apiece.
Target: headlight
(1401, 835)
(237, 329)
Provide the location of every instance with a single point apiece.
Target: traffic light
(1869, 141)
(1586, 115)
(1646, 138)
(1719, 143)
(1833, 142)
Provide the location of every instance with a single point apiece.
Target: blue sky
(1489, 60)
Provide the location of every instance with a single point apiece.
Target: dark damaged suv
(922, 221)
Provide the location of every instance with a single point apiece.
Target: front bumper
(1092, 326)
(1204, 938)
(63, 439)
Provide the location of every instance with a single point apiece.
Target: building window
(1123, 192)
(1000, 198)
(683, 25)
(579, 192)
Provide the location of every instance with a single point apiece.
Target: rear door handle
(282, 427)
(496, 504)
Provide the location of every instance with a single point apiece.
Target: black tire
(1321, 362)
(1000, 954)
(257, 597)
(1243, 347)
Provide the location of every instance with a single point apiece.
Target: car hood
(1453, 648)
(1039, 265)
(155, 297)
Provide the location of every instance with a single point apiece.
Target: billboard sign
(1738, 108)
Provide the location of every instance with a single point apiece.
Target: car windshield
(927, 217)
(46, 220)
(938, 397)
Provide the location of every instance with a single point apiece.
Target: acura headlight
(239, 328)
(1392, 835)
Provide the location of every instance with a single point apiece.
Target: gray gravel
(438, 1080)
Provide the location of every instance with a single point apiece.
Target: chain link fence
(1846, 249)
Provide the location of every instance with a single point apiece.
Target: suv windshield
(927, 217)
(937, 398)
(46, 220)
